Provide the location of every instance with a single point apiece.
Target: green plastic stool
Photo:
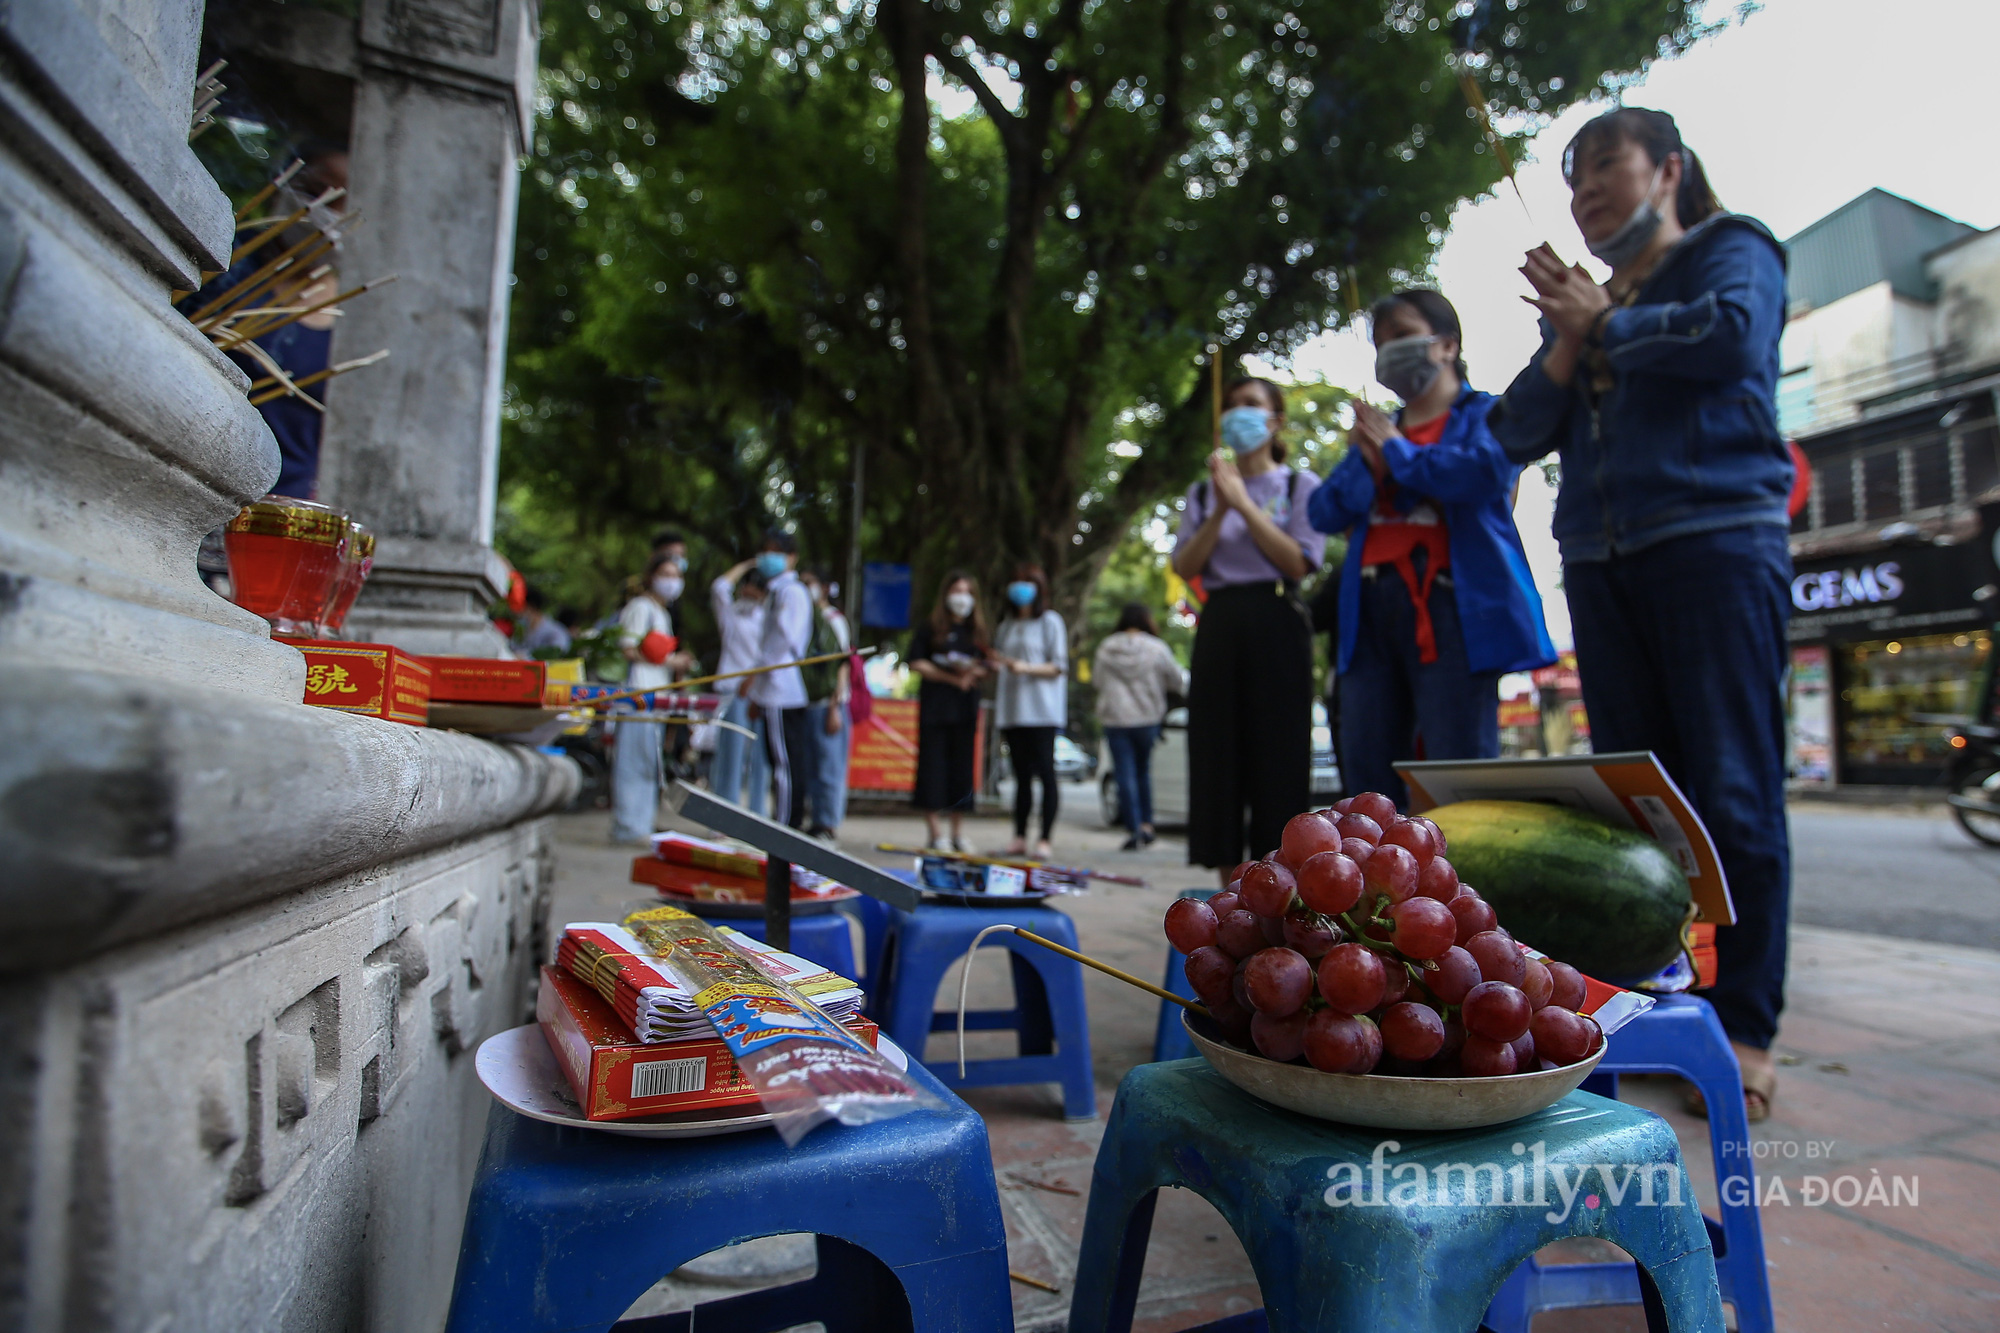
(1384, 1262)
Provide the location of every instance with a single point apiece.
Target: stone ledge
(130, 806)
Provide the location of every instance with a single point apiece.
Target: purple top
(1281, 493)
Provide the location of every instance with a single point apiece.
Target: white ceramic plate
(1386, 1101)
(518, 1067)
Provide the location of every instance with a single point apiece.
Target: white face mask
(1626, 244)
(959, 604)
(668, 588)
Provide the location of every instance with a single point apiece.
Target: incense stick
(1017, 862)
(259, 398)
(726, 675)
(1477, 101)
(298, 165)
(965, 977)
(1215, 391)
(237, 337)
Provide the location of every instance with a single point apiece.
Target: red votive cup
(284, 559)
(357, 559)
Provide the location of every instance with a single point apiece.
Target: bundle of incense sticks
(658, 1006)
(279, 291)
(805, 1066)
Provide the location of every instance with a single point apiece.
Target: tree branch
(1005, 121)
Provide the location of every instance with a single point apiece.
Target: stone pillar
(247, 946)
(411, 446)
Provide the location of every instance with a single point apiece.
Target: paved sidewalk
(1891, 1055)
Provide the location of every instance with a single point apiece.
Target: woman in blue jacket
(1436, 601)
(1658, 389)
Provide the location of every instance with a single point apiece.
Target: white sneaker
(938, 845)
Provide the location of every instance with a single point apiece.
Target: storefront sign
(1890, 590)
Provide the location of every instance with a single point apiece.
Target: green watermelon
(1604, 899)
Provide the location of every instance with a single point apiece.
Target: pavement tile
(1985, 1146)
(1954, 1211)
(1830, 1272)
(1857, 1119)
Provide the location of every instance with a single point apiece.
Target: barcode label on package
(657, 1078)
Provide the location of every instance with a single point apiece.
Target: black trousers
(1683, 651)
(1249, 723)
(794, 761)
(1034, 752)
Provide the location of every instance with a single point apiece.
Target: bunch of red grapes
(1355, 946)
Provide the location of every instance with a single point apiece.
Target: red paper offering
(616, 1076)
(285, 560)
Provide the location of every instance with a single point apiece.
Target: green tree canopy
(751, 245)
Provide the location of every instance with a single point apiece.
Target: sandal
(1760, 1086)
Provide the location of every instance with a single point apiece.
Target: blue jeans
(635, 780)
(1388, 698)
(1682, 651)
(733, 751)
(829, 788)
(1132, 767)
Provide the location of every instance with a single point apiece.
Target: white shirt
(1033, 701)
(642, 616)
(742, 626)
(788, 612)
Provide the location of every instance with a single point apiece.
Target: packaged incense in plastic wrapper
(806, 1067)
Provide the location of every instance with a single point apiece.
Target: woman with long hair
(1244, 534)
(949, 650)
(1436, 601)
(1658, 388)
(1031, 648)
(1134, 674)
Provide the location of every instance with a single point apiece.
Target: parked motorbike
(1973, 777)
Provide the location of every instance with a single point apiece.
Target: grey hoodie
(1134, 672)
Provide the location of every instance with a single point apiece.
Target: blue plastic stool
(1679, 1035)
(873, 914)
(1427, 1264)
(824, 938)
(1170, 1039)
(1049, 1011)
(567, 1227)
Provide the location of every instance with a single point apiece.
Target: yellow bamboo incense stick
(1215, 391)
(726, 675)
(1477, 101)
(256, 200)
(965, 976)
(260, 276)
(266, 383)
(234, 338)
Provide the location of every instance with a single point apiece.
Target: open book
(1629, 789)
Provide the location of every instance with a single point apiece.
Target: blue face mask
(771, 564)
(1245, 428)
(1021, 593)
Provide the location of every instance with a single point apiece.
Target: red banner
(882, 754)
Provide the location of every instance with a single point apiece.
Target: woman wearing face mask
(1658, 389)
(739, 771)
(1032, 652)
(646, 635)
(1435, 599)
(1245, 535)
(949, 650)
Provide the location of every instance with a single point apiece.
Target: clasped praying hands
(1565, 294)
